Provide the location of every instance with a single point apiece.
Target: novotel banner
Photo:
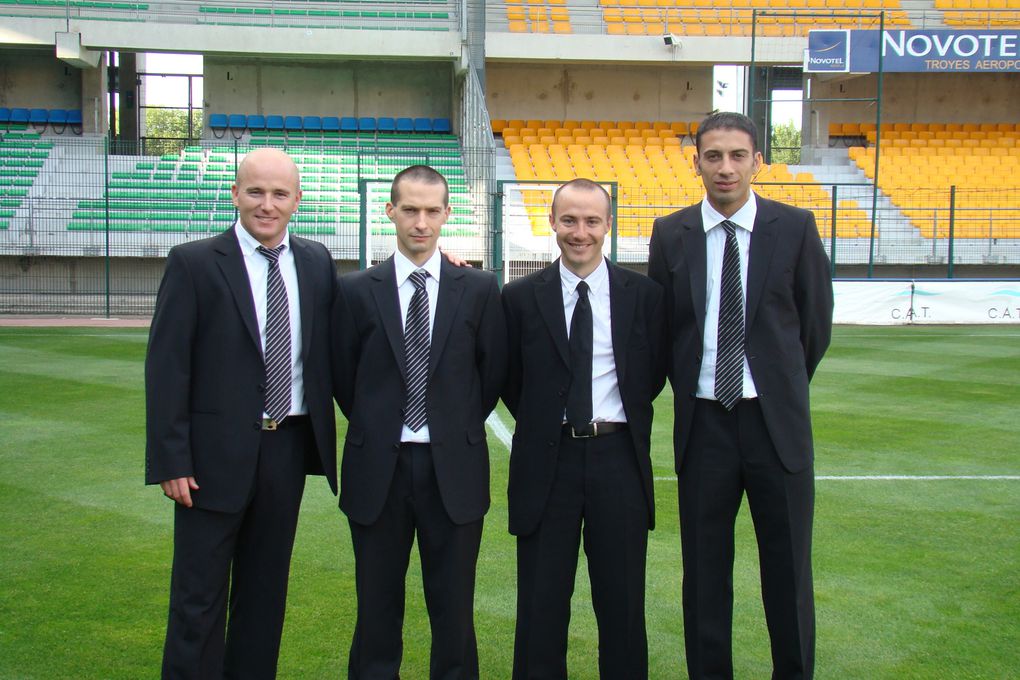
(931, 51)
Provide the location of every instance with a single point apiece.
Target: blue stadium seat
(366, 124)
(5, 115)
(19, 116)
(442, 126)
(74, 120)
(235, 121)
(330, 124)
(39, 117)
(423, 125)
(312, 123)
(387, 124)
(274, 122)
(405, 125)
(218, 124)
(256, 121)
(292, 123)
(58, 120)
(348, 124)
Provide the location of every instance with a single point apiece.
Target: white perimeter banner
(927, 302)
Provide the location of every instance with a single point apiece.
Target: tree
(785, 143)
(166, 130)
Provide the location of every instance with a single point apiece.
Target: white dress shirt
(405, 290)
(258, 272)
(607, 406)
(715, 243)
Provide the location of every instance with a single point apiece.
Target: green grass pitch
(914, 578)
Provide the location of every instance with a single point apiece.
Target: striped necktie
(729, 361)
(277, 351)
(416, 351)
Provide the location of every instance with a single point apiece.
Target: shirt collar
(595, 280)
(249, 246)
(405, 267)
(710, 217)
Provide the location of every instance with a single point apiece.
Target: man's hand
(453, 259)
(180, 489)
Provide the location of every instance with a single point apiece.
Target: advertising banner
(926, 302)
(913, 51)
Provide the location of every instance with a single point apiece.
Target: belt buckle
(269, 425)
(595, 432)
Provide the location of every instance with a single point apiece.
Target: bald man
(238, 411)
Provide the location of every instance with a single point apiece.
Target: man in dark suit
(749, 306)
(583, 403)
(238, 411)
(419, 360)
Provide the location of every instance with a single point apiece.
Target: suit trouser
(730, 452)
(449, 555)
(597, 485)
(246, 553)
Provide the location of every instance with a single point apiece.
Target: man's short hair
(727, 121)
(419, 173)
(585, 185)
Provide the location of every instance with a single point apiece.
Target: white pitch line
(893, 478)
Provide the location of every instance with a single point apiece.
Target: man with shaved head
(238, 411)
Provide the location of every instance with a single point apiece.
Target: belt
(270, 425)
(593, 429)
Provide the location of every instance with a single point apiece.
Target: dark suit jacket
(788, 319)
(205, 376)
(467, 366)
(539, 376)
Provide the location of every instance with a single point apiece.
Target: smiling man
(585, 363)
(238, 411)
(749, 305)
(419, 360)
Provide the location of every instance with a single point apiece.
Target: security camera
(670, 40)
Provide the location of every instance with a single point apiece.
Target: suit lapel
(549, 297)
(763, 244)
(692, 235)
(384, 291)
(451, 287)
(306, 291)
(231, 263)
(622, 301)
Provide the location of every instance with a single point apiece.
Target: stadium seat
(19, 116)
(387, 124)
(58, 120)
(256, 122)
(348, 124)
(330, 124)
(442, 126)
(366, 124)
(274, 122)
(423, 125)
(292, 123)
(5, 115)
(39, 118)
(405, 125)
(218, 124)
(74, 120)
(311, 124)
(237, 122)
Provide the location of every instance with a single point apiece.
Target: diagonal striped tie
(729, 361)
(277, 351)
(416, 351)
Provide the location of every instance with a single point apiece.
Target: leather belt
(270, 425)
(596, 429)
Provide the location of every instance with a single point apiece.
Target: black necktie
(277, 351)
(416, 351)
(579, 396)
(729, 361)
